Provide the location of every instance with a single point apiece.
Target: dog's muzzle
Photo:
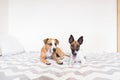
(54, 49)
(75, 54)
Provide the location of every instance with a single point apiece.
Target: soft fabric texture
(27, 66)
(10, 45)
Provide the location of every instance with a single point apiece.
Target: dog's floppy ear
(57, 41)
(71, 39)
(80, 40)
(45, 40)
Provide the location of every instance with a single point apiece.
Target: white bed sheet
(27, 66)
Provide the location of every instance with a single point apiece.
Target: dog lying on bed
(50, 49)
(76, 56)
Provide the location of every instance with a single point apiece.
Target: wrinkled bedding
(27, 66)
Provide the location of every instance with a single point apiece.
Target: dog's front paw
(60, 63)
(48, 63)
(68, 55)
(61, 58)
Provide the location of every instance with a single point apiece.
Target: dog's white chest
(48, 54)
(80, 58)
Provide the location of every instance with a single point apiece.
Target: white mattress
(27, 66)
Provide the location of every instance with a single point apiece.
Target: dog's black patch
(60, 63)
(57, 55)
(48, 63)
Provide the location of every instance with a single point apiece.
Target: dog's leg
(43, 57)
(60, 53)
(83, 59)
(71, 61)
(56, 58)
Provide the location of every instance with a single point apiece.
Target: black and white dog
(76, 56)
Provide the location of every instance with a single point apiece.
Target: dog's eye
(77, 49)
(55, 44)
(72, 45)
(50, 44)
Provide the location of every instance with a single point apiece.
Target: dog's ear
(71, 39)
(57, 41)
(80, 40)
(45, 40)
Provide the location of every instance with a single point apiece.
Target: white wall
(3, 16)
(31, 21)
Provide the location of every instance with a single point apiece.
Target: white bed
(16, 64)
(27, 66)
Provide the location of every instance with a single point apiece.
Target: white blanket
(27, 66)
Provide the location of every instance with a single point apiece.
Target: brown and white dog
(50, 49)
(76, 55)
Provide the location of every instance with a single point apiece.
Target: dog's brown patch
(75, 45)
(47, 45)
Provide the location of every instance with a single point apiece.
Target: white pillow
(10, 45)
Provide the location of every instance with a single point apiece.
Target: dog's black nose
(54, 49)
(75, 54)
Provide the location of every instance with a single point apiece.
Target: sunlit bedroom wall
(31, 21)
(3, 16)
